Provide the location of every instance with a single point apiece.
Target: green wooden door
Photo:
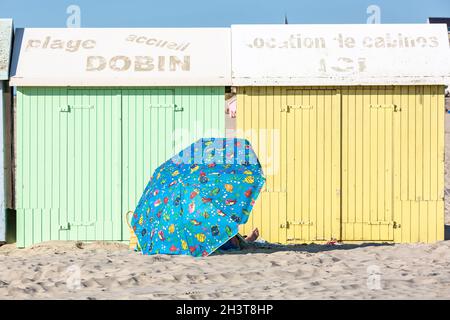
(148, 127)
(91, 165)
(68, 176)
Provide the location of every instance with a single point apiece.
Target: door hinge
(294, 223)
(393, 107)
(371, 223)
(384, 223)
(295, 239)
(175, 107)
(288, 108)
(69, 108)
(69, 225)
(301, 223)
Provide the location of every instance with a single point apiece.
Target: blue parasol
(195, 201)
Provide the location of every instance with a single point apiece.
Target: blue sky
(215, 13)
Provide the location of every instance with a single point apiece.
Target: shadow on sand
(309, 248)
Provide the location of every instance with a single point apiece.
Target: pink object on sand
(231, 106)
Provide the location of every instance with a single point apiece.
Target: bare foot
(253, 236)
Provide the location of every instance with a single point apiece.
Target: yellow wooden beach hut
(348, 122)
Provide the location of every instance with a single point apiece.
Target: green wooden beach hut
(97, 111)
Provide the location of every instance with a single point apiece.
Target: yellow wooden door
(313, 157)
(368, 117)
(259, 119)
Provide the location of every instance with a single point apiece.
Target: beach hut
(97, 111)
(348, 122)
(6, 31)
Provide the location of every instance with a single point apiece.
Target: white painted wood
(366, 54)
(121, 57)
(6, 27)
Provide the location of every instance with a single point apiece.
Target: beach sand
(63, 270)
(110, 271)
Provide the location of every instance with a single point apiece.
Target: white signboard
(384, 54)
(122, 57)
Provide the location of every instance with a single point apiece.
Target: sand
(110, 271)
(65, 270)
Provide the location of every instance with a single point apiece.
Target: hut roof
(6, 28)
(121, 57)
(365, 54)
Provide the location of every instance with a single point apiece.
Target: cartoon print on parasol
(205, 214)
(235, 218)
(206, 200)
(229, 231)
(194, 204)
(215, 230)
(214, 192)
(203, 178)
